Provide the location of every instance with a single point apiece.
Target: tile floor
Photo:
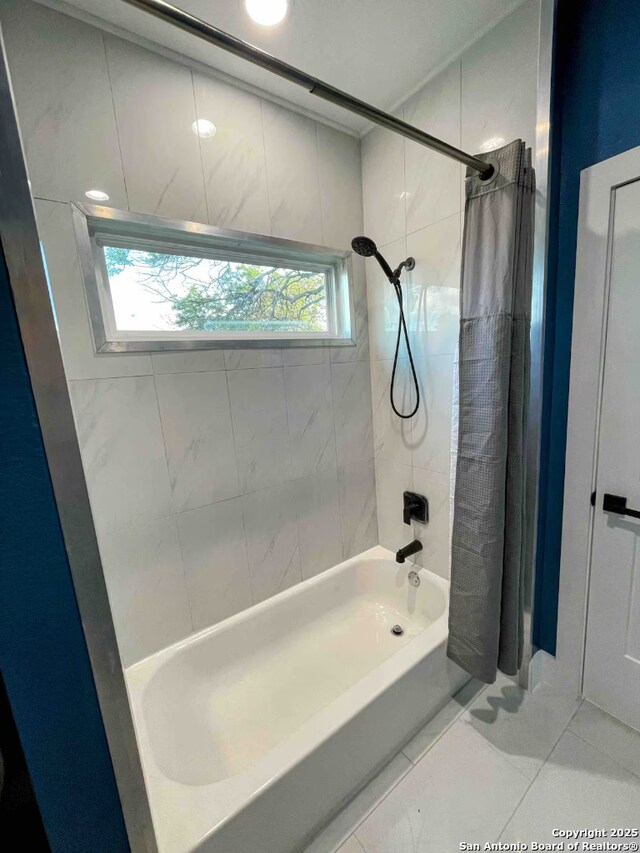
(496, 764)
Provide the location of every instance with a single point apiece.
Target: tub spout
(408, 550)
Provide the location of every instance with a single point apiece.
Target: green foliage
(117, 259)
(209, 295)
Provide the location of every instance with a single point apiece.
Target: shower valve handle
(415, 507)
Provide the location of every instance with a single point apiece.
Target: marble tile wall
(217, 478)
(413, 205)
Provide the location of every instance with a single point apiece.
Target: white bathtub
(255, 731)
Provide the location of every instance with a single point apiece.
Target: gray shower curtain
(488, 544)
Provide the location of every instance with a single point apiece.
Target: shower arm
(197, 27)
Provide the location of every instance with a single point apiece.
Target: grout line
(379, 802)
(240, 496)
(292, 481)
(580, 704)
(335, 446)
(497, 751)
(602, 751)
(463, 708)
(266, 169)
(320, 186)
(430, 225)
(502, 754)
(543, 765)
(115, 119)
(408, 769)
(246, 554)
(204, 182)
(174, 514)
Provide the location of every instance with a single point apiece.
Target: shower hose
(402, 328)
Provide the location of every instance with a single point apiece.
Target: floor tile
(462, 790)
(421, 743)
(359, 808)
(351, 845)
(579, 787)
(524, 727)
(608, 735)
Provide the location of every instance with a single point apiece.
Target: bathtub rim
(378, 553)
(314, 732)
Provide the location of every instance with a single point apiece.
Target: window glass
(158, 291)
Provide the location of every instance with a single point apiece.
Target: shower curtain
(488, 542)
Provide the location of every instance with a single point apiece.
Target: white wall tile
(383, 303)
(340, 187)
(310, 418)
(509, 54)
(392, 480)
(123, 453)
(351, 384)
(298, 356)
(61, 84)
(435, 535)
(433, 181)
(360, 319)
(433, 287)
(357, 484)
(145, 581)
(259, 414)
(155, 109)
(80, 359)
(233, 159)
(292, 174)
(272, 540)
(412, 203)
(391, 434)
(214, 554)
(431, 436)
(192, 361)
(243, 359)
(292, 178)
(383, 186)
(319, 530)
(198, 437)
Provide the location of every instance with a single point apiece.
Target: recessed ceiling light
(267, 13)
(204, 128)
(97, 195)
(493, 143)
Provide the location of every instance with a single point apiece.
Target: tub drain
(397, 630)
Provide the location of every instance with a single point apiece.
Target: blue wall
(596, 115)
(43, 655)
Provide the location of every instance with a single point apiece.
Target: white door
(612, 657)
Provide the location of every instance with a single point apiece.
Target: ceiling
(379, 51)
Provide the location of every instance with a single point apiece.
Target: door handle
(618, 505)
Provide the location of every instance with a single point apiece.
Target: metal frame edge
(538, 304)
(20, 240)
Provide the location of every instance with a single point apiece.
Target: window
(155, 284)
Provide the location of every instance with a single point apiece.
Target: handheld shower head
(364, 246)
(367, 248)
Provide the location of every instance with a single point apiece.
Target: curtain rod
(197, 27)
